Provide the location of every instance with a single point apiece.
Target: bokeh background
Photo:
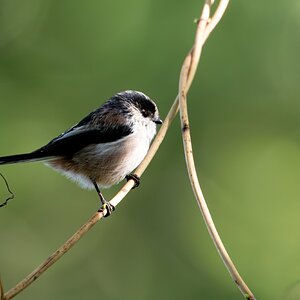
(61, 59)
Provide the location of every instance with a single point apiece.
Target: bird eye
(144, 113)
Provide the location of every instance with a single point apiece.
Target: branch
(186, 77)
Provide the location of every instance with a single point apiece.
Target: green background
(61, 59)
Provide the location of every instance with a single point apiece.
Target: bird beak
(157, 121)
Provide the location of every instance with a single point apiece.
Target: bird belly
(106, 163)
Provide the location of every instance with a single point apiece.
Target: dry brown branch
(186, 76)
(203, 30)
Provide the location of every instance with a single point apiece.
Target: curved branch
(188, 69)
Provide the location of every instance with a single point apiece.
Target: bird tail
(26, 157)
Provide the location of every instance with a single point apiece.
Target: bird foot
(135, 178)
(108, 207)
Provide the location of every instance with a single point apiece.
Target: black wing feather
(68, 145)
(95, 128)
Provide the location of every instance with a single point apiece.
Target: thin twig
(190, 63)
(199, 38)
(215, 19)
(12, 195)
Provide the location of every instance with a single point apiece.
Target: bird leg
(135, 178)
(105, 205)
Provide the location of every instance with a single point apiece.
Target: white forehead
(130, 92)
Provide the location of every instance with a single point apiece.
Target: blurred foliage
(61, 59)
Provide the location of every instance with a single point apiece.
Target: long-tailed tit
(104, 147)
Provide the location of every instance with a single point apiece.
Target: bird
(104, 147)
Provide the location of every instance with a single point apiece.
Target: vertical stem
(186, 77)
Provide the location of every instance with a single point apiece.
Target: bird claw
(135, 178)
(108, 207)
